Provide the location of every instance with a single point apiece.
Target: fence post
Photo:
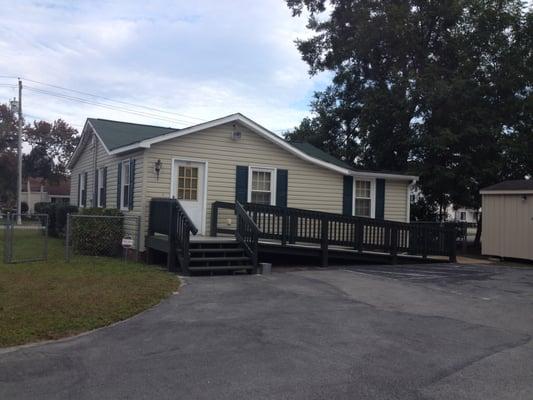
(453, 246)
(324, 242)
(359, 235)
(6, 239)
(171, 258)
(138, 233)
(214, 219)
(284, 227)
(394, 244)
(46, 238)
(293, 227)
(67, 239)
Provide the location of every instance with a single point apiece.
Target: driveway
(429, 332)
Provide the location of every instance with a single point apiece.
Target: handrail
(184, 228)
(168, 217)
(247, 233)
(291, 225)
(187, 219)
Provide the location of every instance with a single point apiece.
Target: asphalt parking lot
(407, 332)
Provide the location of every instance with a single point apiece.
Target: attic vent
(236, 135)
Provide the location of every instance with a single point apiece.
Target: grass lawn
(53, 299)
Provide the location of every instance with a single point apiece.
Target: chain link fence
(24, 237)
(102, 236)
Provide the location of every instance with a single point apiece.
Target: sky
(197, 60)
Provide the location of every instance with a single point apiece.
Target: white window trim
(83, 186)
(122, 180)
(372, 195)
(100, 185)
(273, 175)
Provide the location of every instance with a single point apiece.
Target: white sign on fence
(127, 241)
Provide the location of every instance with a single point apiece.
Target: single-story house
(39, 190)
(124, 165)
(507, 219)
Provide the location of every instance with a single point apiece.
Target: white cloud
(203, 59)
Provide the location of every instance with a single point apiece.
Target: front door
(188, 188)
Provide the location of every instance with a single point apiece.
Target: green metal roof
(315, 152)
(117, 134)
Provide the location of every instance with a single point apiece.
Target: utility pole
(19, 145)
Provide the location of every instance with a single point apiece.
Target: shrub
(24, 207)
(98, 236)
(60, 220)
(57, 216)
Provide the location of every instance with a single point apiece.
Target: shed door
(189, 189)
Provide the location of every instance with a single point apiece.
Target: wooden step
(221, 268)
(217, 250)
(208, 259)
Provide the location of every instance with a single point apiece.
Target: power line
(105, 105)
(116, 101)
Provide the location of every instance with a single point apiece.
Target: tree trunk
(477, 240)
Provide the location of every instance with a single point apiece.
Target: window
(101, 189)
(363, 198)
(125, 185)
(262, 186)
(463, 216)
(188, 183)
(82, 195)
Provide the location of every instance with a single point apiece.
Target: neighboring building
(508, 219)
(123, 165)
(462, 214)
(38, 190)
(459, 214)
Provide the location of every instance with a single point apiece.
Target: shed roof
(518, 185)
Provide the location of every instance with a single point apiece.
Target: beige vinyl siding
(87, 163)
(83, 164)
(507, 226)
(396, 198)
(309, 186)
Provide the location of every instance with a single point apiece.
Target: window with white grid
(261, 186)
(363, 198)
(187, 183)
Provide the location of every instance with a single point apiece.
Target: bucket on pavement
(265, 268)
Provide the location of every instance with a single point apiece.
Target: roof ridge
(134, 123)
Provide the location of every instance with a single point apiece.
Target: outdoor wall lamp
(157, 168)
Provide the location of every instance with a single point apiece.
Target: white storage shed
(507, 214)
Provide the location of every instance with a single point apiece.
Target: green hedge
(57, 216)
(98, 236)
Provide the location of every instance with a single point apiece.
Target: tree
(53, 145)
(8, 154)
(440, 88)
(8, 129)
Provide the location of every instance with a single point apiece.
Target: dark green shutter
(282, 182)
(79, 190)
(84, 199)
(380, 198)
(119, 178)
(347, 195)
(241, 184)
(104, 194)
(95, 187)
(132, 182)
